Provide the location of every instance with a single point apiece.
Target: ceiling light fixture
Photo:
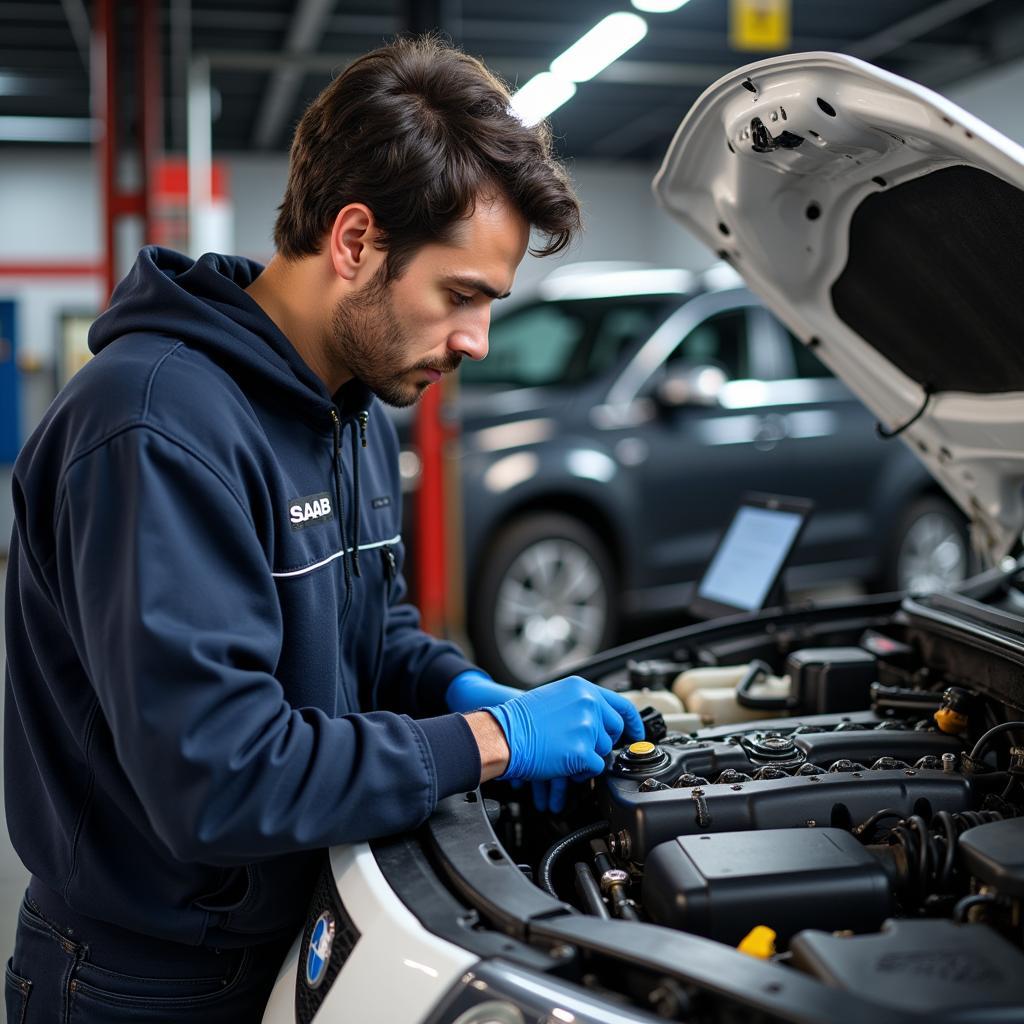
(659, 6)
(541, 95)
(608, 40)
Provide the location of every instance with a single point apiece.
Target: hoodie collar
(203, 303)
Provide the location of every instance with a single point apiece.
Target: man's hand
(473, 690)
(564, 730)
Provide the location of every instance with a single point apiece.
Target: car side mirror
(694, 385)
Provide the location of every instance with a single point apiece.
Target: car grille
(325, 898)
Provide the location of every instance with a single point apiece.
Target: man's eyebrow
(477, 284)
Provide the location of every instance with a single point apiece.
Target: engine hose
(547, 863)
(983, 743)
(963, 907)
(589, 892)
(930, 849)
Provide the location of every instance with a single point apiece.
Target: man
(212, 674)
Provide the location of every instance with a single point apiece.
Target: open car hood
(885, 226)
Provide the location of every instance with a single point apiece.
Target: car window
(532, 346)
(721, 341)
(806, 362)
(566, 341)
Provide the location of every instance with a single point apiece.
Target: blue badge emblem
(319, 953)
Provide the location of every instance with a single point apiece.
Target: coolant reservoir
(677, 718)
(710, 693)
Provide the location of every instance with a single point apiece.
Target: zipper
(339, 499)
(336, 471)
(387, 556)
(364, 419)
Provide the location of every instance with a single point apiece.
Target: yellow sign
(759, 24)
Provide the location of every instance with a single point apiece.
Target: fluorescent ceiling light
(659, 6)
(540, 96)
(608, 40)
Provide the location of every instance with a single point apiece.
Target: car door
(824, 448)
(692, 463)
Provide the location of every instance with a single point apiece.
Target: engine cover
(834, 774)
(724, 884)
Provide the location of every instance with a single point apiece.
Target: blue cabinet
(10, 425)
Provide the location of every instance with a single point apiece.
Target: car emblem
(319, 954)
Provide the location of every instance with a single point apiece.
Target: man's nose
(471, 342)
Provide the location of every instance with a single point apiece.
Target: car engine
(867, 831)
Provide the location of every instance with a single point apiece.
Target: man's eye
(461, 300)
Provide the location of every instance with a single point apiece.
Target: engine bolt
(737, 786)
(612, 877)
(949, 762)
(619, 844)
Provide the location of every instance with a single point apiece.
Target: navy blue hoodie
(211, 671)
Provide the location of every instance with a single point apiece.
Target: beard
(366, 338)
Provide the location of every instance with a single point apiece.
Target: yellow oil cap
(640, 748)
(759, 942)
(950, 721)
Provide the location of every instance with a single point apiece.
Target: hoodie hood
(203, 303)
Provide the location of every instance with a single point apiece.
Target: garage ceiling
(268, 58)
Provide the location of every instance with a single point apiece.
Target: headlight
(501, 993)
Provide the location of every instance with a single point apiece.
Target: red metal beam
(430, 547)
(116, 202)
(105, 97)
(149, 79)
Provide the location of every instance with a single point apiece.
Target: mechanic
(212, 673)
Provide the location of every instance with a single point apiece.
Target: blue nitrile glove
(472, 690)
(564, 730)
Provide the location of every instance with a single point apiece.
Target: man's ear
(353, 254)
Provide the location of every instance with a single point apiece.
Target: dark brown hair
(418, 131)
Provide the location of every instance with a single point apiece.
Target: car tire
(930, 548)
(545, 599)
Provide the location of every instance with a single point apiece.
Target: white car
(846, 842)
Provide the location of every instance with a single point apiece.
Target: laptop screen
(749, 558)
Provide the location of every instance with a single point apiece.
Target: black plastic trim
(414, 879)
(482, 873)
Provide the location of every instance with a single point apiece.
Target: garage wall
(995, 97)
(622, 220)
(49, 213)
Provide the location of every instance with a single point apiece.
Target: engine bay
(849, 807)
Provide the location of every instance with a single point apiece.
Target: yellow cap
(950, 721)
(759, 942)
(641, 747)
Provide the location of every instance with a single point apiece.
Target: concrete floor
(13, 876)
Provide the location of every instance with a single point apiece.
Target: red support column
(431, 532)
(149, 84)
(104, 81)
(117, 203)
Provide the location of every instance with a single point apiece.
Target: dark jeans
(65, 975)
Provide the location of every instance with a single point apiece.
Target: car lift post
(118, 202)
(438, 504)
